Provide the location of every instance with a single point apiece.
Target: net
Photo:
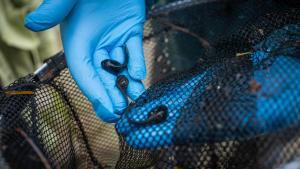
(223, 94)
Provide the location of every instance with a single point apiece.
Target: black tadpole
(155, 116)
(122, 85)
(113, 66)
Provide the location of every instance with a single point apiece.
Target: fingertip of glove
(119, 111)
(108, 117)
(119, 102)
(31, 23)
(111, 120)
(104, 114)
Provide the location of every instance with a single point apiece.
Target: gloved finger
(84, 73)
(48, 14)
(136, 61)
(109, 81)
(118, 54)
(135, 87)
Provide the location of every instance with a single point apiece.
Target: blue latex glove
(92, 31)
(224, 101)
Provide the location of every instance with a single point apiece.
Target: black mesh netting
(227, 97)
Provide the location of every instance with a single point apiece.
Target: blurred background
(22, 51)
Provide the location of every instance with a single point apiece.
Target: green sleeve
(22, 51)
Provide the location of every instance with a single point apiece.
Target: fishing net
(223, 80)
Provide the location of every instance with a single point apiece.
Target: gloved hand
(233, 99)
(92, 31)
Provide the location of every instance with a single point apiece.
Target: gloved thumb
(48, 14)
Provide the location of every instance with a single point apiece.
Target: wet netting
(223, 93)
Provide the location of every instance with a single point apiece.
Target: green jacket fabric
(22, 51)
